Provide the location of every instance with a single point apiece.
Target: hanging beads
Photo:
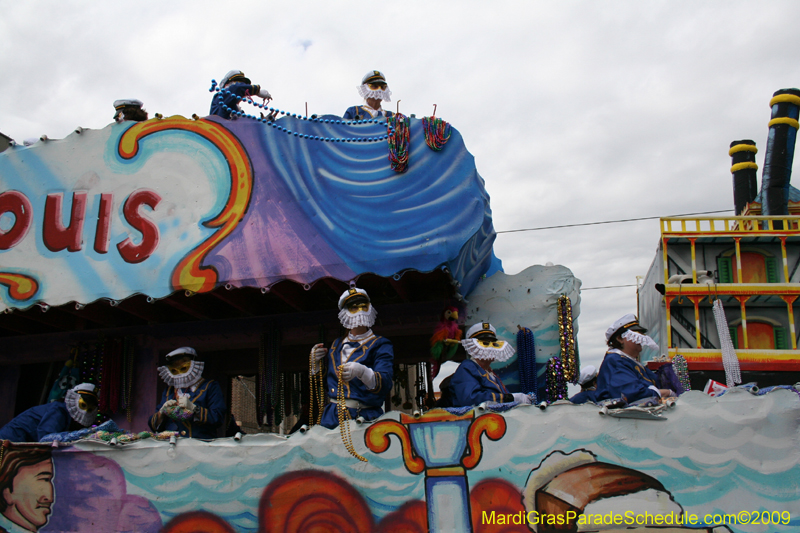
(568, 353)
(316, 395)
(556, 382)
(437, 132)
(399, 142)
(526, 351)
(343, 413)
(682, 371)
(273, 111)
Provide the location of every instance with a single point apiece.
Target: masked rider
(79, 409)
(190, 404)
(365, 358)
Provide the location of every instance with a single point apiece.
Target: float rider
(366, 361)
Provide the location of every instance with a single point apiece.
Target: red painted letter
(136, 253)
(17, 203)
(56, 237)
(103, 223)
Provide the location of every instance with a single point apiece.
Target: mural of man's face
(31, 495)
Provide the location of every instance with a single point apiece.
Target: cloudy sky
(576, 111)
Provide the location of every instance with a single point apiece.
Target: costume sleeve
(618, 378)
(383, 366)
(468, 387)
(581, 397)
(154, 418)
(350, 113)
(214, 414)
(55, 420)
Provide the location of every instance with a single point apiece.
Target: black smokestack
(743, 168)
(780, 152)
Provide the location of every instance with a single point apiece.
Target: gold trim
(781, 98)
(744, 166)
(743, 148)
(784, 120)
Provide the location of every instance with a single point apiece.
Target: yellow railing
(732, 226)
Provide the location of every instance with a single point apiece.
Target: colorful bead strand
(399, 142)
(437, 132)
(567, 336)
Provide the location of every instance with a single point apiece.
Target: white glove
(521, 397)
(186, 403)
(263, 93)
(318, 352)
(167, 405)
(352, 370)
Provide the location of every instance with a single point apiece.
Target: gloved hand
(318, 352)
(352, 370)
(522, 398)
(167, 405)
(263, 93)
(186, 403)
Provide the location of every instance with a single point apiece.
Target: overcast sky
(576, 111)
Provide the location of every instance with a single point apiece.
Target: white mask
(360, 318)
(185, 380)
(84, 418)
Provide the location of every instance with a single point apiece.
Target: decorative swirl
(377, 440)
(189, 274)
(493, 425)
(20, 286)
(197, 522)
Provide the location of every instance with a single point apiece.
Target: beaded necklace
(221, 93)
(316, 393)
(399, 141)
(343, 413)
(682, 371)
(568, 353)
(556, 383)
(437, 132)
(526, 350)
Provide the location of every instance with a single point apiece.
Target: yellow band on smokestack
(792, 99)
(784, 120)
(743, 148)
(742, 166)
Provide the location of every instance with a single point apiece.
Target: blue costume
(230, 99)
(211, 415)
(360, 110)
(472, 385)
(375, 353)
(36, 422)
(583, 397)
(622, 376)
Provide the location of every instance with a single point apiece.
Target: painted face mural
(29, 499)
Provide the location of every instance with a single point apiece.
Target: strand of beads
(317, 394)
(568, 353)
(556, 384)
(129, 355)
(276, 386)
(261, 386)
(527, 361)
(399, 142)
(274, 111)
(682, 371)
(343, 413)
(437, 132)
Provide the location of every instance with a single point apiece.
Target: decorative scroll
(189, 274)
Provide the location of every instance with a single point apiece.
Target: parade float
(236, 237)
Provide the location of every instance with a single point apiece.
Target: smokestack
(743, 168)
(785, 106)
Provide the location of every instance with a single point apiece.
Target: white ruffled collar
(185, 380)
(84, 418)
(476, 351)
